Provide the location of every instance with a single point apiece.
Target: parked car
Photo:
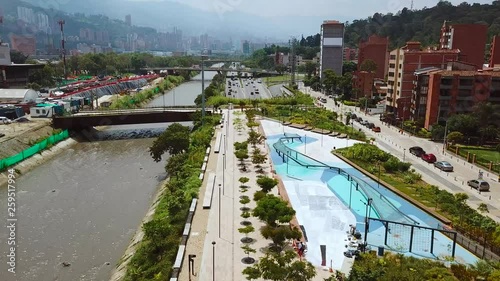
(370, 125)
(480, 185)
(364, 122)
(429, 158)
(444, 166)
(354, 116)
(376, 129)
(5, 120)
(417, 151)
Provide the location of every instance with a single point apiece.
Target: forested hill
(423, 25)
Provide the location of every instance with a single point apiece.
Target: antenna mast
(411, 6)
(63, 51)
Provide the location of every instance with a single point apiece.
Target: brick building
(24, 44)
(403, 63)
(375, 49)
(495, 52)
(362, 84)
(470, 39)
(350, 54)
(457, 91)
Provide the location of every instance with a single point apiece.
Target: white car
(5, 120)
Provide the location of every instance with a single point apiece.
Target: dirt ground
(19, 136)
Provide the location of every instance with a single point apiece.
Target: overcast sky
(327, 9)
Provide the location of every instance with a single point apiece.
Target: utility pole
(63, 50)
(202, 88)
(293, 60)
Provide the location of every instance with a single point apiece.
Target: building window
(391, 74)
(37, 111)
(446, 82)
(393, 57)
(444, 93)
(466, 82)
(43, 111)
(392, 65)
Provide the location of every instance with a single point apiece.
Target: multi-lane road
(245, 87)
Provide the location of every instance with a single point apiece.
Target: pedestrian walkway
(391, 140)
(215, 239)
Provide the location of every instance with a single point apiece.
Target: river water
(83, 206)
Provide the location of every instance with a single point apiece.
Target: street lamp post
(219, 207)
(367, 222)
(404, 154)
(445, 135)
(202, 88)
(378, 182)
(191, 266)
(213, 260)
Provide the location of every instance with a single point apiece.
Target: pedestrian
(301, 249)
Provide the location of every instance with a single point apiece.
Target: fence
(27, 153)
(490, 252)
(474, 159)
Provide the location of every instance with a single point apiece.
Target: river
(83, 206)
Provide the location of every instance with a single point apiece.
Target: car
(480, 185)
(364, 122)
(444, 166)
(251, 93)
(376, 129)
(2, 135)
(354, 116)
(5, 120)
(429, 158)
(370, 125)
(417, 151)
(323, 100)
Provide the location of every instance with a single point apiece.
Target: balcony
(445, 86)
(465, 98)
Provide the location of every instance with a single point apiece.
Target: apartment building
(332, 47)
(495, 52)
(375, 49)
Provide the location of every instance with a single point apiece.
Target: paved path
(392, 141)
(220, 224)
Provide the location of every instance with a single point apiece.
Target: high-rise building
(332, 45)
(470, 39)
(403, 63)
(246, 47)
(375, 49)
(128, 20)
(495, 52)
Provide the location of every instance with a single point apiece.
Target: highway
(245, 87)
(392, 141)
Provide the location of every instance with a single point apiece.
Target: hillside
(423, 25)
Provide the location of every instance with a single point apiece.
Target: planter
(247, 240)
(246, 223)
(244, 209)
(248, 260)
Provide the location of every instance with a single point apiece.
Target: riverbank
(37, 159)
(120, 270)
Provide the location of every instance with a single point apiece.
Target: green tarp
(27, 153)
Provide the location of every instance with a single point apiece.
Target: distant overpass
(171, 70)
(124, 117)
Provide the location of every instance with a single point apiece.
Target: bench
(179, 257)
(207, 200)
(218, 141)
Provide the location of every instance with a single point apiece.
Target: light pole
(367, 222)
(378, 182)
(404, 154)
(203, 88)
(445, 135)
(191, 266)
(219, 206)
(213, 260)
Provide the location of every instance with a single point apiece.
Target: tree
(254, 137)
(246, 230)
(175, 163)
(281, 267)
(241, 154)
(267, 183)
(273, 210)
(461, 199)
(368, 65)
(174, 140)
(280, 68)
(243, 181)
(247, 250)
(279, 235)
(454, 137)
(17, 57)
(258, 158)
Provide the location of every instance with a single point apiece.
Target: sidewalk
(220, 225)
(392, 141)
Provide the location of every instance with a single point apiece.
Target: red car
(429, 158)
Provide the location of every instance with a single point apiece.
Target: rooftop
(469, 73)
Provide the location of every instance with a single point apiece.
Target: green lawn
(281, 79)
(483, 153)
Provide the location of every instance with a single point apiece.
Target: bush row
(156, 254)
